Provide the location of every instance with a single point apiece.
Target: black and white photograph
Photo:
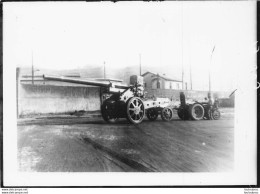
(129, 93)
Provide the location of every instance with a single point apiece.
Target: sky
(169, 35)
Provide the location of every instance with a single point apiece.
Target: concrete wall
(40, 99)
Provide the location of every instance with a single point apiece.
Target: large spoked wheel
(183, 114)
(196, 111)
(215, 114)
(135, 110)
(105, 113)
(152, 114)
(167, 114)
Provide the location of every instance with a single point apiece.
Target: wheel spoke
(137, 103)
(135, 110)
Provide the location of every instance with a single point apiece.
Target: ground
(82, 144)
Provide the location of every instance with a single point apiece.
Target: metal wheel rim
(136, 110)
(167, 113)
(216, 114)
(197, 112)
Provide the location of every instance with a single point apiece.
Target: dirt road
(67, 144)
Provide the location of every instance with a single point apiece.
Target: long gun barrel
(84, 82)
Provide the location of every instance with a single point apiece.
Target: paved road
(67, 144)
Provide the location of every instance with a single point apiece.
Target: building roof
(162, 76)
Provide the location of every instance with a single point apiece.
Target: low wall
(41, 99)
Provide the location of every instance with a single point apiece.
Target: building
(157, 81)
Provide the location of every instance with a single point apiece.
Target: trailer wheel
(167, 114)
(152, 114)
(105, 113)
(135, 110)
(215, 114)
(183, 114)
(196, 111)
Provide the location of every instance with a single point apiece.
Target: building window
(170, 85)
(158, 85)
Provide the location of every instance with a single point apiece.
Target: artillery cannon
(124, 101)
(198, 110)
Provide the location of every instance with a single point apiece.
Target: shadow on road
(133, 164)
(82, 121)
(68, 121)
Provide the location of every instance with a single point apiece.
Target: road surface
(79, 144)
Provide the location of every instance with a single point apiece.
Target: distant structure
(157, 81)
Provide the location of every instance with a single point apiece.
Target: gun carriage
(122, 101)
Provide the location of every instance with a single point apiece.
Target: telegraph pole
(140, 64)
(190, 70)
(182, 46)
(104, 69)
(210, 69)
(190, 78)
(190, 63)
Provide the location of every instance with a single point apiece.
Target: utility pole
(104, 69)
(210, 69)
(190, 78)
(140, 64)
(190, 64)
(190, 71)
(182, 46)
